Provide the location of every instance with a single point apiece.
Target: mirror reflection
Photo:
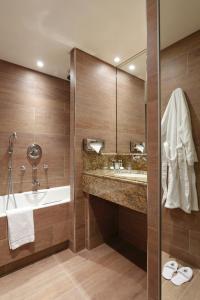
(131, 78)
(180, 113)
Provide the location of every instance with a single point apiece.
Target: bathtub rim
(67, 200)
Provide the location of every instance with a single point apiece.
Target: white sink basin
(136, 176)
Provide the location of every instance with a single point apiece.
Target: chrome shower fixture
(12, 139)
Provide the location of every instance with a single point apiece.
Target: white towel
(178, 155)
(20, 227)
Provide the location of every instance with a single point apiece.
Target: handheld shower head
(12, 139)
(14, 135)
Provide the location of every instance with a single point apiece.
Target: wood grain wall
(130, 110)
(102, 221)
(180, 67)
(132, 227)
(153, 148)
(93, 115)
(36, 106)
(107, 220)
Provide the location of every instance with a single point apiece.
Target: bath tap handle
(36, 182)
(23, 168)
(45, 166)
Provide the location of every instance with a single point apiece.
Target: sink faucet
(117, 165)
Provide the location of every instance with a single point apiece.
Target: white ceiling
(178, 19)
(49, 29)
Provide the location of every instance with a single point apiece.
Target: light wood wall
(93, 115)
(93, 110)
(36, 106)
(132, 227)
(180, 67)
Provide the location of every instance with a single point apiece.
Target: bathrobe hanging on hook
(178, 155)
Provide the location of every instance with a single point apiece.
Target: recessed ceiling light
(117, 59)
(132, 67)
(40, 64)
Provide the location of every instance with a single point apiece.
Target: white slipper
(183, 275)
(169, 269)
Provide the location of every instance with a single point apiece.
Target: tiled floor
(99, 274)
(187, 291)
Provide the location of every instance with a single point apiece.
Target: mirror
(131, 77)
(180, 114)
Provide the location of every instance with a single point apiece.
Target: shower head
(12, 138)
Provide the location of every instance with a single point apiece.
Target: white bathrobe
(178, 155)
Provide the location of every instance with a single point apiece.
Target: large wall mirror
(131, 85)
(180, 144)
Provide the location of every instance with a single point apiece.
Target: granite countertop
(122, 175)
(108, 185)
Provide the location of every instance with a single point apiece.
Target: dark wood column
(153, 143)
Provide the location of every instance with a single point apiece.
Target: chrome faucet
(117, 165)
(35, 183)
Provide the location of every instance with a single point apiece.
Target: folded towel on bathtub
(20, 227)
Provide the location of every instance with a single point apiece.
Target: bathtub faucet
(35, 183)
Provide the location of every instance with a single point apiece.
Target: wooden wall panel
(130, 110)
(180, 67)
(153, 148)
(102, 221)
(36, 106)
(132, 227)
(93, 115)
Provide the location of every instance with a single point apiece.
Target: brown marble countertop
(122, 175)
(125, 191)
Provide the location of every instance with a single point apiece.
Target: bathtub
(51, 208)
(36, 200)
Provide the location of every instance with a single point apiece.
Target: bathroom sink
(140, 176)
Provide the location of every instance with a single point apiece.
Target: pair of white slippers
(177, 275)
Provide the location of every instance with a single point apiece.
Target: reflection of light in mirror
(131, 67)
(40, 64)
(117, 59)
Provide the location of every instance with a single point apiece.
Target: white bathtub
(39, 199)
